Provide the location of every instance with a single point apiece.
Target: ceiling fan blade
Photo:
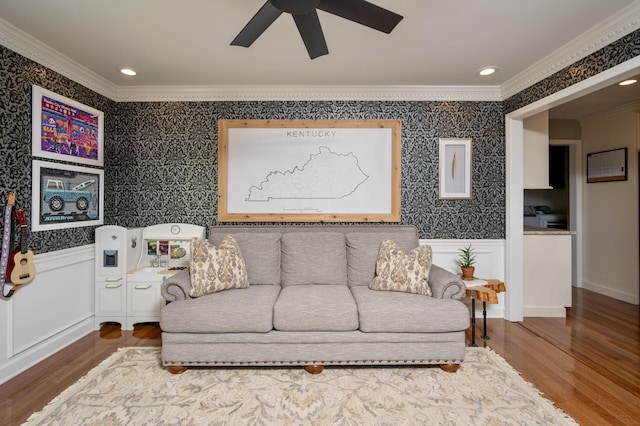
(311, 33)
(362, 12)
(257, 25)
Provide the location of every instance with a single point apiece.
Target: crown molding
(22, 43)
(29, 47)
(606, 32)
(308, 93)
(615, 27)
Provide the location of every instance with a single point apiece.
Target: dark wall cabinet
(558, 166)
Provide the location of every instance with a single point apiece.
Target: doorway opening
(514, 131)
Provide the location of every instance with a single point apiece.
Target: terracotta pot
(467, 273)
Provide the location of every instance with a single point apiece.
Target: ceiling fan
(305, 16)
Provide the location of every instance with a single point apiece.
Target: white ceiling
(600, 100)
(174, 43)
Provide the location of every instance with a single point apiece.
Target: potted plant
(466, 262)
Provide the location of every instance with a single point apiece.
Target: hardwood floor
(32, 390)
(600, 334)
(588, 364)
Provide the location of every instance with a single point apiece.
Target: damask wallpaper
(613, 54)
(17, 74)
(163, 164)
(161, 158)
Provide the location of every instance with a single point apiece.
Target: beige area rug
(132, 388)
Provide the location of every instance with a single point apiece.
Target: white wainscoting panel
(490, 263)
(51, 312)
(56, 308)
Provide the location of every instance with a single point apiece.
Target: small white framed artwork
(455, 168)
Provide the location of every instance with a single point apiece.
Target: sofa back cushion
(314, 258)
(261, 254)
(363, 249)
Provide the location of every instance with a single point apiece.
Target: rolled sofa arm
(177, 286)
(444, 284)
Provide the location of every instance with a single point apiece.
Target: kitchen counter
(533, 230)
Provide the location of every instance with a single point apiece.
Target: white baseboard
(545, 311)
(29, 358)
(606, 291)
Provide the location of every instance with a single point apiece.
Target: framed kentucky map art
(63, 129)
(455, 168)
(66, 196)
(309, 170)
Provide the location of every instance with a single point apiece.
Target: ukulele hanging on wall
(21, 269)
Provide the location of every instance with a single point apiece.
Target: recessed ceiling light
(127, 71)
(487, 71)
(628, 82)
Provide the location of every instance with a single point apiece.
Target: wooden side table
(485, 292)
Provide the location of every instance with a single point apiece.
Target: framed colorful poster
(66, 196)
(63, 129)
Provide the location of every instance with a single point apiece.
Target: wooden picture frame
(607, 166)
(454, 168)
(66, 196)
(309, 170)
(66, 130)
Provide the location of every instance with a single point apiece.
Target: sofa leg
(176, 369)
(314, 369)
(450, 368)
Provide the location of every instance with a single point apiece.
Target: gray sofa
(309, 304)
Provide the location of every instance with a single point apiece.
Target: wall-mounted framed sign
(309, 170)
(607, 166)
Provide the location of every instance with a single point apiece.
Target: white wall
(610, 209)
(490, 263)
(49, 313)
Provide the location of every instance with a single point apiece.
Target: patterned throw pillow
(399, 271)
(216, 268)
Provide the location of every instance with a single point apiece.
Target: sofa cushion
(400, 271)
(247, 310)
(313, 258)
(363, 249)
(261, 254)
(394, 312)
(315, 308)
(216, 268)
